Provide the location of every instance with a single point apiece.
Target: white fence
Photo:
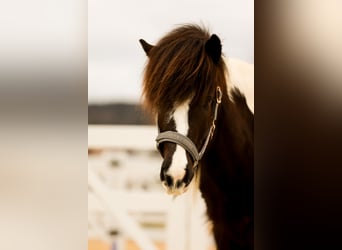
(124, 189)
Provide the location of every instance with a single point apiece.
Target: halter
(185, 142)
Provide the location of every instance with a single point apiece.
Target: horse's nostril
(179, 183)
(168, 180)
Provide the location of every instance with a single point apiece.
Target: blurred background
(127, 207)
(48, 84)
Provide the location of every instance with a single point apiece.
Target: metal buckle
(218, 95)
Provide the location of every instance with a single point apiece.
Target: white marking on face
(179, 160)
(180, 115)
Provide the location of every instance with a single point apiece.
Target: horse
(205, 129)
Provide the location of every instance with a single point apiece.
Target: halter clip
(218, 95)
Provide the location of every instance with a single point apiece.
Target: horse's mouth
(182, 188)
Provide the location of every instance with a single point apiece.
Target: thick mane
(179, 68)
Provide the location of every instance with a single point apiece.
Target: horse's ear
(213, 47)
(146, 46)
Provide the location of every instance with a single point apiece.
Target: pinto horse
(205, 129)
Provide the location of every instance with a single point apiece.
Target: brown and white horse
(205, 127)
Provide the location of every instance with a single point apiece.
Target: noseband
(185, 142)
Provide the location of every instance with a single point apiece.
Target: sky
(115, 57)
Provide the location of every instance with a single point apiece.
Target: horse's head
(183, 85)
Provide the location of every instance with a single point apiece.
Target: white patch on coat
(241, 75)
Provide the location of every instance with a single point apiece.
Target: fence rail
(184, 222)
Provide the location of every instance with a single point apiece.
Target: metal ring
(218, 95)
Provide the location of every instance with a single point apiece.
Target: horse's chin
(175, 191)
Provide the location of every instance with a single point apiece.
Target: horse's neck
(226, 174)
(234, 133)
(232, 147)
(234, 124)
(227, 167)
(231, 122)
